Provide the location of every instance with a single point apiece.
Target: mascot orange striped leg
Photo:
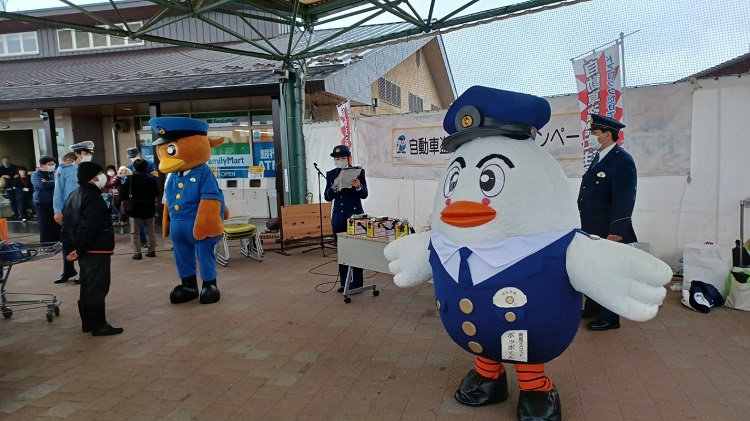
(538, 399)
(486, 384)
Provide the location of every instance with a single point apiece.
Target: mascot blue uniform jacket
(184, 193)
(547, 336)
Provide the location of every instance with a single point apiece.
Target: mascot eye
(492, 180)
(451, 180)
(172, 150)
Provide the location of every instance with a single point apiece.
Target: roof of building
(173, 72)
(736, 66)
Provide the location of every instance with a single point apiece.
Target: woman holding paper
(346, 193)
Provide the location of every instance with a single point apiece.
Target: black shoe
(539, 406)
(98, 322)
(599, 326)
(188, 291)
(64, 278)
(476, 390)
(340, 290)
(151, 254)
(137, 256)
(210, 292)
(77, 281)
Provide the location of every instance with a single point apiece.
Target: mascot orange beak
(168, 165)
(465, 214)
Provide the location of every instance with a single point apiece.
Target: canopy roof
(302, 16)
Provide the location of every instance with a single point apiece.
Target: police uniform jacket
(532, 298)
(346, 202)
(66, 181)
(607, 196)
(87, 226)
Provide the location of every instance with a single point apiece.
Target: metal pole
(742, 230)
(114, 142)
(50, 133)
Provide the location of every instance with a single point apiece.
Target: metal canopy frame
(301, 16)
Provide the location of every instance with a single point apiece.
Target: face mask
(111, 173)
(340, 164)
(100, 183)
(6, 164)
(86, 158)
(594, 143)
(50, 168)
(133, 159)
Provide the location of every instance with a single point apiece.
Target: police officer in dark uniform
(346, 202)
(606, 200)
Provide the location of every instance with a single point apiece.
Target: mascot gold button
(177, 207)
(437, 304)
(178, 196)
(466, 305)
(475, 347)
(510, 316)
(180, 185)
(469, 328)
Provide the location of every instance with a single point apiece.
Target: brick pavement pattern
(274, 348)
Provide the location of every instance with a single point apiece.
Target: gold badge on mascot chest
(601, 174)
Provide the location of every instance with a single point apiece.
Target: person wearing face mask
(112, 187)
(88, 238)
(9, 173)
(66, 182)
(346, 202)
(606, 200)
(43, 181)
(24, 191)
(133, 155)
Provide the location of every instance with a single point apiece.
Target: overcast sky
(673, 39)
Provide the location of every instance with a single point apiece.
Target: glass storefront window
(61, 150)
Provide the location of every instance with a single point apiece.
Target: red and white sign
(344, 111)
(599, 86)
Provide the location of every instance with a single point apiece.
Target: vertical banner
(599, 91)
(346, 127)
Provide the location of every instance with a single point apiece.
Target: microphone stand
(321, 245)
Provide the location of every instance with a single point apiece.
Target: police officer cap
(604, 123)
(175, 128)
(133, 152)
(86, 145)
(341, 151)
(482, 111)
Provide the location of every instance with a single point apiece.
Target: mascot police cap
(175, 128)
(482, 111)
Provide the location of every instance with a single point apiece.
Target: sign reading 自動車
(418, 146)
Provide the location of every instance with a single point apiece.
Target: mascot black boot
(539, 406)
(188, 291)
(486, 384)
(210, 292)
(99, 325)
(83, 311)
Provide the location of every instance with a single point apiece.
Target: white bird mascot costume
(508, 260)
